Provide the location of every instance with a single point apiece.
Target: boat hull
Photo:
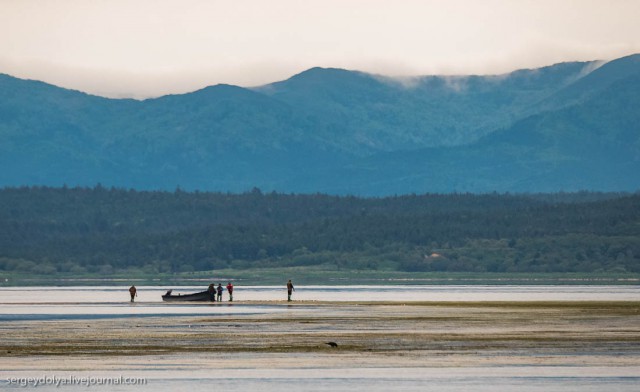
(202, 296)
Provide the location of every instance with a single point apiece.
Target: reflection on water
(84, 302)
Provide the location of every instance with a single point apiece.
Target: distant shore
(312, 276)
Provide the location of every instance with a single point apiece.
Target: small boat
(201, 296)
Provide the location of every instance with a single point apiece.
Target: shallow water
(451, 371)
(19, 303)
(503, 378)
(153, 294)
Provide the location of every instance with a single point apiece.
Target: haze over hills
(565, 127)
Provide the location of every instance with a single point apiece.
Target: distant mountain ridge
(569, 126)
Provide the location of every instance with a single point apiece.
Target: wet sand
(412, 346)
(423, 334)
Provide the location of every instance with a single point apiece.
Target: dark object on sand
(332, 344)
(289, 290)
(133, 292)
(201, 296)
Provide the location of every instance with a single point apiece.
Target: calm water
(481, 379)
(87, 302)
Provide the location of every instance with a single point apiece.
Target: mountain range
(566, 127)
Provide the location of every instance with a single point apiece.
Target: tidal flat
(408, 341)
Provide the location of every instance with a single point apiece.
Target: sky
(148, 48)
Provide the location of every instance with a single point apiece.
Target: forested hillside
(566, 127)
(98, 230)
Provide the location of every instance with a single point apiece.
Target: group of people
(215, 293)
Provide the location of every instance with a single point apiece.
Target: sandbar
(365, 334)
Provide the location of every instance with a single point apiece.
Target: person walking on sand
(220, 292)
(290, 289)
(133, 292)
(230, 291)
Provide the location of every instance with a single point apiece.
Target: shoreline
(312, 276)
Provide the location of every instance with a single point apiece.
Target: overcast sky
(142, 48)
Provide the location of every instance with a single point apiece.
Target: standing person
(133, 292)
(230, 291)
(289, 289)
(212, 292)
(220, 292)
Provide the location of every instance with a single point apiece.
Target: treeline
(97, 230)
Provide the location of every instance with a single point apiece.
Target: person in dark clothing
(230, 291)
(133, 292)
(212, 292)
(290, 289)
(220, 292)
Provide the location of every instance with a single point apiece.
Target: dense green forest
(105, 231)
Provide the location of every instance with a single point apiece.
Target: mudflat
(422, 334)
